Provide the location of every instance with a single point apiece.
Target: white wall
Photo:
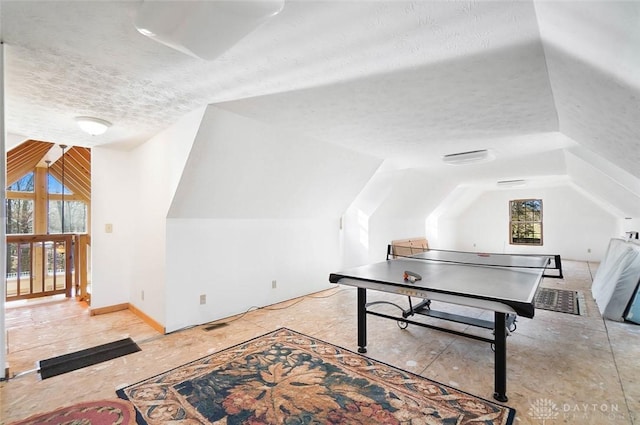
(3, 215)
(233, 262)
(255, 203)
(393, 205)
(233, 189)
(112, 202)
(216, 187)
(572, 224)
(158, 166)
(132, 191)
(629, 224)
(356, 221)
(415, 194)
(366, 238)
(615, 188)
(241, 168)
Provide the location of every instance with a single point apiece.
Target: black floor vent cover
(73, 361)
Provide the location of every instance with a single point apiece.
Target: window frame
(538, 222)
(12, 195)
(15, 218)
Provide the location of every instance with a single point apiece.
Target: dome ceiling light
(92, 126)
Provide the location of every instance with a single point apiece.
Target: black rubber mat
(83, 358)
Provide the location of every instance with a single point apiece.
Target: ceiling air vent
(512, 183)
(470, 157)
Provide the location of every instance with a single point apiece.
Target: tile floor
(561, 368)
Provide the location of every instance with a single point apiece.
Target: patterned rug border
(125, 405)
(141, 421)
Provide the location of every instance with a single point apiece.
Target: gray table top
(508, 279)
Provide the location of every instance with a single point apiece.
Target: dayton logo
(544, 409)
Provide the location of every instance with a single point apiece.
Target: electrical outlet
(108, 228)
(142, 295)
(203, 299)
(274, 284)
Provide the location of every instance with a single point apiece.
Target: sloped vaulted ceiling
(475, 101)
(24, 158)
(76, 172)
(405, 81)
(591, 51)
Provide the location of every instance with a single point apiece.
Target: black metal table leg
(362, 320)
(500, 330)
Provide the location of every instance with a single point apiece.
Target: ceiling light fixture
(203, 29)
(93, 126)
(470, 157)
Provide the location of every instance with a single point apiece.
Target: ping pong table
(502, 283)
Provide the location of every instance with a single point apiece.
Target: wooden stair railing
(34, 263)
(82, 244)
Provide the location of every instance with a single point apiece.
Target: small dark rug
(560, 300)
(83, 358)
(287, 378)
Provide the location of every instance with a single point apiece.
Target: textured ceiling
(415, 115)
(405, 81)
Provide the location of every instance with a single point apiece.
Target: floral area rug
(288, 378)
(99, 412)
